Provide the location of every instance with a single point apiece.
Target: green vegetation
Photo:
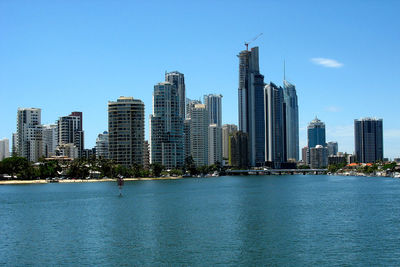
(303, 167)
(335, 167)
(19, 168)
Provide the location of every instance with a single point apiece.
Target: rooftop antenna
(247, 43)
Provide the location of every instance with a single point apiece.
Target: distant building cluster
(185, 130)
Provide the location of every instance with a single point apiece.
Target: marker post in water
(120, 183)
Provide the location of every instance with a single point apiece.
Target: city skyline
(333, 83)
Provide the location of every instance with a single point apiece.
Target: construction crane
(247, 43)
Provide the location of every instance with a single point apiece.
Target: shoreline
(67, 181)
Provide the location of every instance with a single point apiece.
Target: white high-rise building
(199, 135)
(4, 148)
(214, 108)
(178, 79)
(214, 144)
(227, 129)
(29, 134)
(102, 145)
(50, 139)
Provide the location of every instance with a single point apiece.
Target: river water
(290, 220)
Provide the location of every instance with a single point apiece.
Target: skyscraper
(14, 148)
(292, 120)
(251, 104)
(332, 148)
(102, 144)
(199, 135)
(368, 135)
(238, 149)
(166, 127)
(190, 106)
(70, 131)
(4, 148)
(178, 79)
(186, 137)
(29, 134)
(214, 108)
(275, 125)
(126, 131)
(227, 130)
(214, 144)
(50, 139)
(316, 133)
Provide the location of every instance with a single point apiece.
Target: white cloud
(340, 131)
(333, 109)
(326, 62)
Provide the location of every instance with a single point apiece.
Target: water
(258, 220)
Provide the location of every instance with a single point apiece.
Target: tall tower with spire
(292, 118)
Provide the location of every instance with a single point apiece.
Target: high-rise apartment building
(199, 135)
(178, 79)
(102, 145)
(14, 148)
(214, 108)
(227, 130)
(146, 155)
(214, 144)
(316, 133)
(238, 150)
(275, 125)
(4, 148)
(50, 139)
(304, 157)
(292, 121)
(166, 127)
(368, 135)
(251, 104)
(70, 131)
(186, 137)
(190, 106)
(318, 157)
(332, 148)
(126, 131)
(29, 134)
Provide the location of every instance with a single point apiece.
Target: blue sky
(65, 56)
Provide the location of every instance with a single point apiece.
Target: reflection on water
(276, 220)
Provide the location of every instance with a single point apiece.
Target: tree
(78, 169)
(303, 167)
(335, 167)
(203, 169)
(121, 170)
(49, 169)
(155, 169)
(190, 166)
(105, 166)
(136, 170)
(17, 166)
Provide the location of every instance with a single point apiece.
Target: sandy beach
(21, 182)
